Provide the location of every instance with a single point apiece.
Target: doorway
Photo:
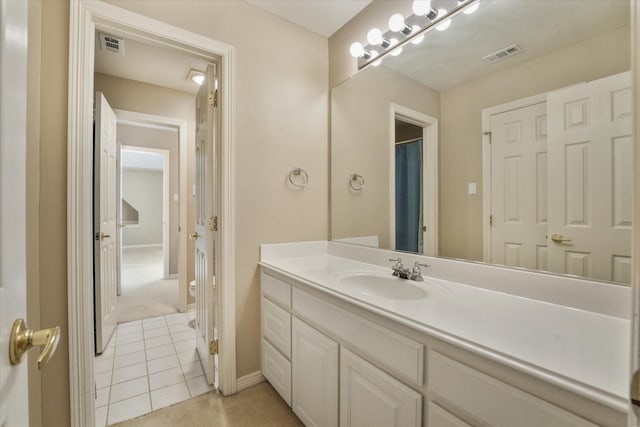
(148, 250)
(413, 181)
(86, 18)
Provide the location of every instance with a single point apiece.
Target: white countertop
(583, 351)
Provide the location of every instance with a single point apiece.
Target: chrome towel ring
(295, 172)
(356, 182)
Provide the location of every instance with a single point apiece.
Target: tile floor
(148, 364)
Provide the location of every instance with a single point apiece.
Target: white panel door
(590, 166)
(519, 187)
(314, 365)
(13, 142)
(206, 235)
(105, 222)
(372, 398)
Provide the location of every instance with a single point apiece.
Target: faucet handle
(398, 261)
(419, 264)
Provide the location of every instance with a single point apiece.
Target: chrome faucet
(416, 273)
(399, 270)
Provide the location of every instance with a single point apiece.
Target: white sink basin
(382, 286)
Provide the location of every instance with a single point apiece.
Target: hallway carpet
(144, 293)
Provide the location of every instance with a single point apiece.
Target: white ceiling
(323, 17)
(449, 58)
(141, 160)
(149, 63)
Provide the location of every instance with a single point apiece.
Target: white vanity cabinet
(338, 363)
(314, 376)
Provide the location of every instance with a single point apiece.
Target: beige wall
(143, 190)
(360, 120)
(281, 121)
(145, 98)
(167, 140)
(461, 126)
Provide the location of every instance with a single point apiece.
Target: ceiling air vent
(111, 44)
(505, 53)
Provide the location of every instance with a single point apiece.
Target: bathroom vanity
(346, 343)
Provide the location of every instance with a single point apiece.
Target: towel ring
(358, 180)
(298, 172)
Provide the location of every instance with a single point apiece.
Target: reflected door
(519, 187)
(590, 176)
(206, 235)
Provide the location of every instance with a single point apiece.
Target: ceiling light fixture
(397, 24)
(423, 8)
(471, 9)
(196, 76)
(442, 26)
(374, 37)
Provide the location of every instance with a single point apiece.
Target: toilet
(192, 288)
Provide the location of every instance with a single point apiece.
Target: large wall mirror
(504, 139)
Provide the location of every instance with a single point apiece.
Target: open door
(14, 408)
(105, 225)
(206, 229)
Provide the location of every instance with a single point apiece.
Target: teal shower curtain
(409, 204)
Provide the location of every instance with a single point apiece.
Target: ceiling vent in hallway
(501, 54)
(111, 44)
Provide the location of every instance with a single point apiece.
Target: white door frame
(166, 197)
(85, 17)
(486, 162)
(429, 127)
(134, 118)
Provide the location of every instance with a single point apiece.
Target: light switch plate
(473, 189)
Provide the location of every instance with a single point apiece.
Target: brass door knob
(23, 338)
(559, 238)
(194, 236)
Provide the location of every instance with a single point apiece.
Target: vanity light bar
(439, 19)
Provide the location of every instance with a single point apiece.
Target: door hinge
(488, 133)
(215, 223)
(490, 220)
(213, 347)
(213, 98)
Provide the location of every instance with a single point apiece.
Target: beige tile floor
(257, 406)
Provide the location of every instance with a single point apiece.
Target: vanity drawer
(276, 327)
(277, 370)
(399, 354)
(276, 289)
(489, 400)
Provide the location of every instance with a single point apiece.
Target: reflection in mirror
(505, 139)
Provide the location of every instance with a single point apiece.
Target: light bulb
(444, 24)
(374, 36)
(356, 50)
(396, 22)
(472, 8)
(198, 78)
(420, 38)
(397, 51)
(421, 7)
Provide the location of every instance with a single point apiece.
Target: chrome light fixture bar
(439, 19)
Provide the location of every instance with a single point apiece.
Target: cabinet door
(372, 398)
(315, 376)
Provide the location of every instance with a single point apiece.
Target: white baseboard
(249, 380)
(150, 245)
